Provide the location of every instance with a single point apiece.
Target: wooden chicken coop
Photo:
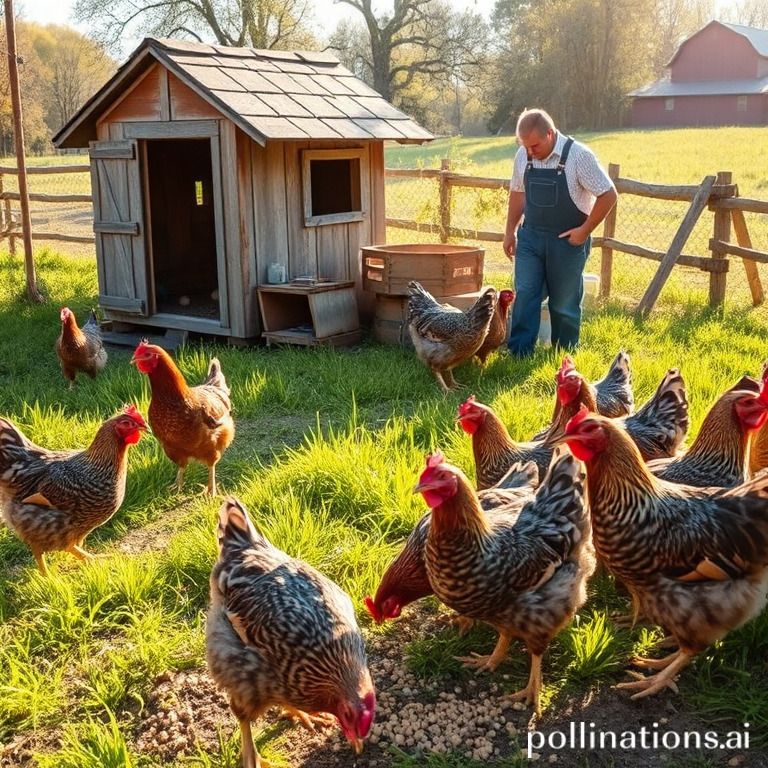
(214, 167)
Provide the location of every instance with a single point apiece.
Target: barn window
(741, 103)
(332, 186)
(669, 105)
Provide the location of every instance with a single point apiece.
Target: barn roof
(666, 88)
(758, 38)
(268, 94)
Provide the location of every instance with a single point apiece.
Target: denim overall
(545, 264)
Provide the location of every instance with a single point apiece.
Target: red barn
(718, 76)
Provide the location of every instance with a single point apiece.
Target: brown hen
(280, 633)
(444, 336)
(53, 499)
(497, 330)
(80, 349)
(523, 572)
(189, 422)
(694, 559)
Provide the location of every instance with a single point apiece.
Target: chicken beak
(357, 745)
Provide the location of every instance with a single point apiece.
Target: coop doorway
(185, 274)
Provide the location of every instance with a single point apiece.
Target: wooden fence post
(722, 231)
(445, 200)
(750, 267)
(609, 230)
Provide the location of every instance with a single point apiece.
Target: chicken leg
(40, 560)
(180, 478)
(309, 721)
(211, 489)
(531, 693)
(488, 663)
(670, 666)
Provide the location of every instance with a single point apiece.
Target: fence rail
(717, 194)
(10, 226)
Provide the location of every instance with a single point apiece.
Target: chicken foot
(488, 663)
(180, 478)
(80, 553)
(648, 686)
(40, 560)
(531, 694)
(309, 721)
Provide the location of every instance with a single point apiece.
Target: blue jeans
(547, 265)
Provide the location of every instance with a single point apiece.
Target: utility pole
(18, 131)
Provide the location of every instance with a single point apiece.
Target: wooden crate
(443, 269)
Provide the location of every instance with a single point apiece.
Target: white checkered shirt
(585, 176)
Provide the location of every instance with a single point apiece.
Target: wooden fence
(10, 227)
(717, 193)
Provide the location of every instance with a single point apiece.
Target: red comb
(566, 367)
(763, 396)
(435, 459)
(572, 425)
(467, 406)
(370, 606)
(132, 411)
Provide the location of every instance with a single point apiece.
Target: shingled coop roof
(269, 94)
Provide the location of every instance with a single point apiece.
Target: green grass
(329, 445)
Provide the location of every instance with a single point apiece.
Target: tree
(74, 67)
(674, 21)
(750, 13)
(258, 23)
(419, 38)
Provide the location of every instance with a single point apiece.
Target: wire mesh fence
(646, 221)
(472, 215)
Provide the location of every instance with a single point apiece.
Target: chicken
(493, 448)
(758, 457)
(281, 633)
(695, 560)
(53, 499)
(612, 395)
(189, 422)
(497, 330)
(719, 455)
(444, 336)
(524, 572)
(658, 428)
(406, 581)
(80, 349)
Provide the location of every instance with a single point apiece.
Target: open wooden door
(118, 223)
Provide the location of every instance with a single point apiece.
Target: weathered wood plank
(217, 169)
(59, 237)
(122, 303)
(248, 269)
(412, 173)
(743, 204)
(703, 263)
(698, 204)
(302, 249)
(112, 150)
(46, 169)
(721, 231)
(609, 231)
(116, 227)
(476, 182)
(671, 191)
(41, 197)
(724, 247)
(750, 267)
(178, 129)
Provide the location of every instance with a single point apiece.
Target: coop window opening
(669, 105)
(332, 186)
(741, 103)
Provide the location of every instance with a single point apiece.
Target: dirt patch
(468, 716)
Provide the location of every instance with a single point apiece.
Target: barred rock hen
(80, 349)
(281, 633)
(53, 499)
(493, 448)
(612, 395)
(524, 574)
(695, 560)
(189, 422)
(444, 336)
(658, 428)
(719, 455)
(497, 330)
(406, 580)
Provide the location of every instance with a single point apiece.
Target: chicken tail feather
(235, 526)
(215, 376)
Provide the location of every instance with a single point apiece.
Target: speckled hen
(493, 448)
(188, 422)
(523, 573)
(280, 633)
(406, 580)
(719, 455)
(497, 330)
(444, 336)
(53, 499)
(658, 428)
(695, 560)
